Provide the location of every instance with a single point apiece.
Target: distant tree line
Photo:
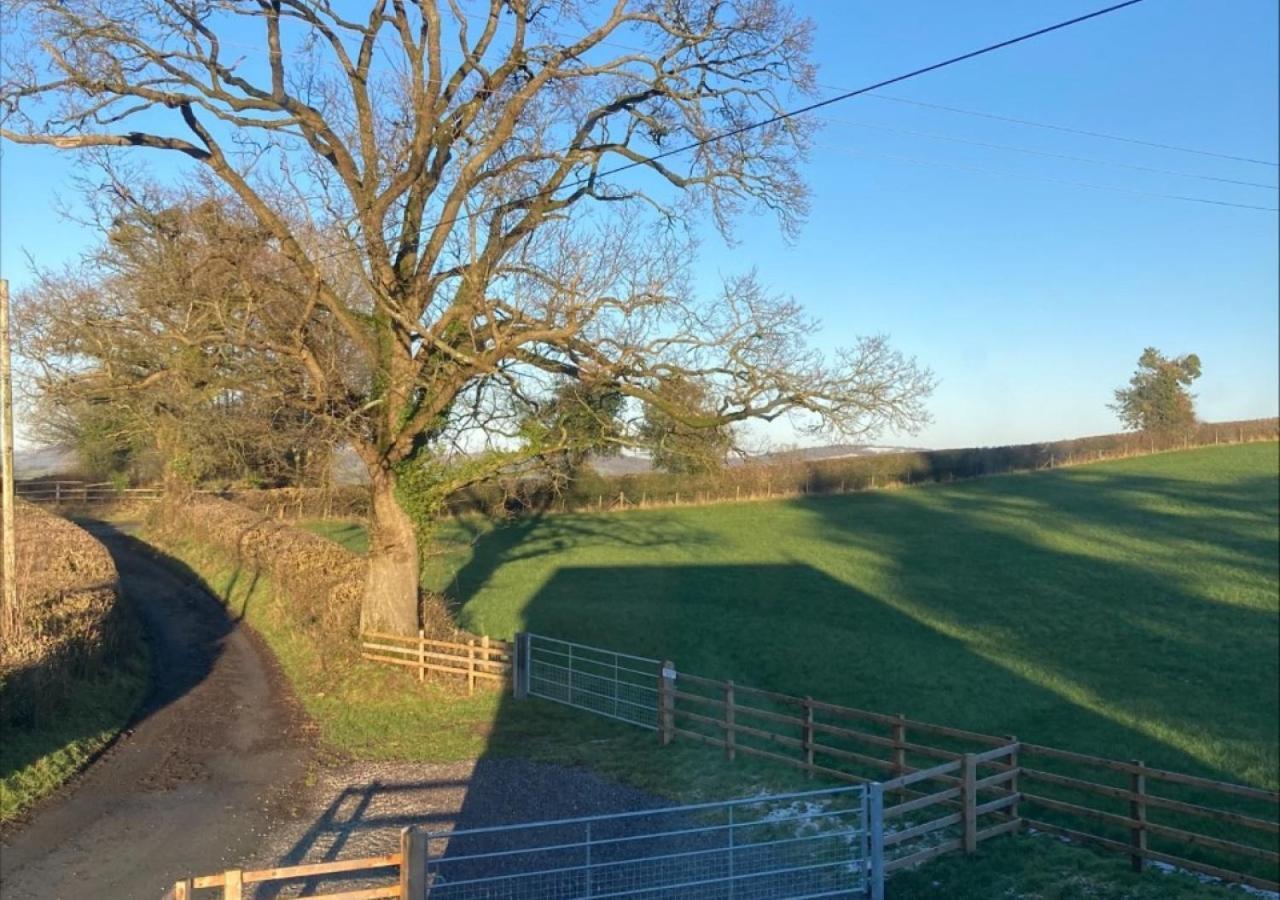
(591, 490)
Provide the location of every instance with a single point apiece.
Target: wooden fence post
(1013, 785)
(875, 798)
(899, 751)
(182, 889)
(666, 702)
(422, 654)
(969, 800)
(520, 664)
(730, 736)
(413, 864)
(1138, 811)
(233, 885)
(471, 666)
(807, 740)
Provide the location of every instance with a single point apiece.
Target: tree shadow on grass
(795, 629)
(545, 536)
(1089, 585)
(1094, 590)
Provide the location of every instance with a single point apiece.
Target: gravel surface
(358, 809)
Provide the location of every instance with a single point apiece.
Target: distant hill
(41, 462)
(833, 451)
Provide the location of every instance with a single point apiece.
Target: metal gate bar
(615, 685)
(810, 844)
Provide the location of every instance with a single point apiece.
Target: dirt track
(196, 784)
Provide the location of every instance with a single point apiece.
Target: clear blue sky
(1029, 297)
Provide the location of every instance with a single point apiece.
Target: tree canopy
(469, 209)
(1157, 399)
(679, 442)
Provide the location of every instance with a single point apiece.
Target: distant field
(1129, 609)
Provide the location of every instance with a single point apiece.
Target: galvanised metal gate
(615, 685)
(812, 844)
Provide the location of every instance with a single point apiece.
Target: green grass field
(1128, 609)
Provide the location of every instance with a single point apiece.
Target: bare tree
(481, 205)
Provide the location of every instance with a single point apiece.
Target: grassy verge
(1037, 867)
(36, 761)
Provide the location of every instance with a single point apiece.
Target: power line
(848, 95)
(787, 114)
(1069, 130)
(449, 52)
(1047, 153)
(1049, 178)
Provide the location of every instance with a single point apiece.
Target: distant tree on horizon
(1157, 399)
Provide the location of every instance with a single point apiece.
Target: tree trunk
(391, 590)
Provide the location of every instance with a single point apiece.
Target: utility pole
(9, 538)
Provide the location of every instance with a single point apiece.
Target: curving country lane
(195, 785)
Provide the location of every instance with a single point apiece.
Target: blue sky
(1030, 298)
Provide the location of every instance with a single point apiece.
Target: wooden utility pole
(10, 612)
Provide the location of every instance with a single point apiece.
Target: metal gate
(616, 685)
(812, 844)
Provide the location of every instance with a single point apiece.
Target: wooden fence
(70, 492)
(404, 881)
(473, 658)
(1225, 830)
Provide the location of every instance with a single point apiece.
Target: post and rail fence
(1221, 829)
(475, 658)
(928, 790)
(63, 492)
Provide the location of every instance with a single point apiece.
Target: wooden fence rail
(72, 492)
(1218, 828)
(473, 658)
(407, 882)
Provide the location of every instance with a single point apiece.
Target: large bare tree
(484, 199)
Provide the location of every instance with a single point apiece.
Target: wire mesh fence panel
(813, 844)
(610, 684)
